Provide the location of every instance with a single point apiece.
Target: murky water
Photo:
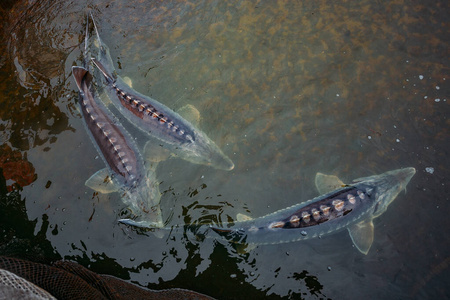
(286, 89)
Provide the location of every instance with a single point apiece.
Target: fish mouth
(404, 175)
(220, 161)
(204, 151)
(230, 166)
(224, 163)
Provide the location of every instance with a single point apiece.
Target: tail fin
(79, 73)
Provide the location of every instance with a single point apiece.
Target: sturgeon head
(383, 188)
(376, 193)
(100, 51)
(386, 187)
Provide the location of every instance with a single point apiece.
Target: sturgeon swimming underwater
(155, 119)
(125, 172)
(342, 206)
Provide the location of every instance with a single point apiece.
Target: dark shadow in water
(18, 237)
(312, 283)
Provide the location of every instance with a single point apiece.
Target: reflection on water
(16, 170)
(36, 49)
(286, 89)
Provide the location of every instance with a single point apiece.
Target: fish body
(351, 207)
(125, 172)
(155, 119)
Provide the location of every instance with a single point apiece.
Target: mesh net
(68, 280)
(15, 287)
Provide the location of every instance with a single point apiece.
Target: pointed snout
(222, 162)
(404, 175)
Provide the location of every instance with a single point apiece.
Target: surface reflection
(35, 52)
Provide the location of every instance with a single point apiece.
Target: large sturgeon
(342, 206)
(125, 172)
(155, 119)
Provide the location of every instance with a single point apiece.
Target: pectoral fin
(153, 152)
(190, 113)
(327, 183)
(362, 235)
(101, 182)
(241, 217)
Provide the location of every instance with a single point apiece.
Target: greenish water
(286, 89)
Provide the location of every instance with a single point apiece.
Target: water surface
(286, 89)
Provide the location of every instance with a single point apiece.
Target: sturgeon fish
(155, 119)
(351, 206)
(125, 172)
